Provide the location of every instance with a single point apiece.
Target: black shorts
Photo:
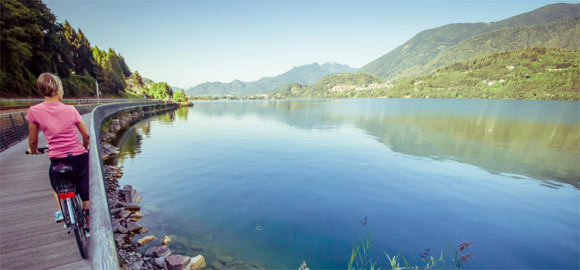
(79, 174)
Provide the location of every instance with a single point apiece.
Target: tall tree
(20, 36)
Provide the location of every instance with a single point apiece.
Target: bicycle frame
(67, 196)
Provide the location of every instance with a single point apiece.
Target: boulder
(131, 206)
(124, 213)
(303, 266)
(194, 247)
(136, 198)
(217, 265)
(118, 228)
(224, 258)
(137, 265)
(160, 262)
(143, 231)
(177, 262)
(166, 240)
(115, 211)
(145, 240)
(197, 262)
(134, 226)
(136, 215)
(159, 251)
(120, 239)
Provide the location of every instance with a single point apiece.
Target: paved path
(29, 237)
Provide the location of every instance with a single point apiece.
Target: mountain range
(535, 55)
(306, 74)
(555, 26)
(451, 43)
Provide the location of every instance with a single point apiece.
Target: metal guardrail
(104, 253)
(32, 101)
(14, 126)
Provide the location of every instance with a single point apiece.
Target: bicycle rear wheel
(79, 228)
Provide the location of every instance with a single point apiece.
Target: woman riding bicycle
(59, 123)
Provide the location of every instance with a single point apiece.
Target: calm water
(501, 174)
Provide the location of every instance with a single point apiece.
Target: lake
(275, 183)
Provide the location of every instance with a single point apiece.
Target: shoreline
(125, 206)
(125, 212)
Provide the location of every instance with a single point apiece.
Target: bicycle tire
(78, 228)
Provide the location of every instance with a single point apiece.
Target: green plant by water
(361, 257)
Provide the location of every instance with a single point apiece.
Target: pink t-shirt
(58, 122)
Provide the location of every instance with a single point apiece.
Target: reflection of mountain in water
(535, 139)
(546, 151)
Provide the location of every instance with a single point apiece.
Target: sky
(185, 43)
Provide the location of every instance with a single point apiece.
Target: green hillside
(336, 85)
(411, 58)
(532, 73)
(560, 34)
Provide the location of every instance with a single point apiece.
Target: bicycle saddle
(62, 168)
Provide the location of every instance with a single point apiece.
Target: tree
(137, 79)
(20, 36)
(160, 90)
(179, 96)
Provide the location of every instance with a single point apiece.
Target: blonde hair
(48, 84)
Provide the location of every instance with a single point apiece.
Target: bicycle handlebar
(42, 150)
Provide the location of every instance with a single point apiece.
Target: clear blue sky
(189, 42)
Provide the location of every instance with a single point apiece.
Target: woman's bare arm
(32, 138)
(85, 133)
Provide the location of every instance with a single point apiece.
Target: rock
(136, 198)
(166, 240)
(118, 228)
(136, 215)
(133, 207)
(115, 211)
(197, 262)
(145, 240)
(223, 258)
(194, 247)
(136, 265)
(133, 226)
(143, 231)
(303, 266)
(177, 262)
(128, 194)
(125, 213)
(159, 262)
(119, 240)
(160, 251)
(217, 265)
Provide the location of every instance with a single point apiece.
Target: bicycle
(70, 203)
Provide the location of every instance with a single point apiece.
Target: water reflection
(540, 140)
(130, 143)
(182, 113)
(288, 165)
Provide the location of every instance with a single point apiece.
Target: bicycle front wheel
(78, 228)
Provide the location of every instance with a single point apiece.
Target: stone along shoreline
(125, 207)
(125, 213)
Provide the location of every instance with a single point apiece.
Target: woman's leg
(58, 205)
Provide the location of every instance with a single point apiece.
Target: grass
(361, 257)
